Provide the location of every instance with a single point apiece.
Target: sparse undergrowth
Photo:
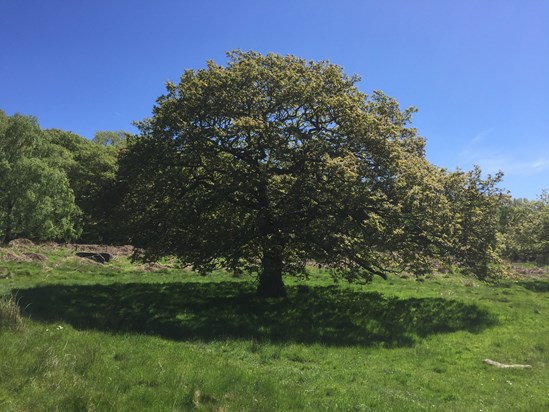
(10, 316)
(117, 337)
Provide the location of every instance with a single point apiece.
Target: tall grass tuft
(10, 316)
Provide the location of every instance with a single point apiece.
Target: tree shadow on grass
(230, 310)
(537, 285)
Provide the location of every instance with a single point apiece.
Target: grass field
(120, 337)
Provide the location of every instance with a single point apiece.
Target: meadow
(80, 336)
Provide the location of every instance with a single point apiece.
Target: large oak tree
(272, 162)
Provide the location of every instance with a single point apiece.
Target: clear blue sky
(478, 70)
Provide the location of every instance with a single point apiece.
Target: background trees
(35, 197)
(524, 226)
(57, 185)
(91, 169)
(474, 204)
(272, 161)
(110, 138)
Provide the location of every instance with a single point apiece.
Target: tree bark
(270, 279)
(8, 234)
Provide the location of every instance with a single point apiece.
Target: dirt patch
(13, 257)
(153, 267)
(51, 244)
(530, 272)
(21, 242)
(35, 257)
(23, 257)
(520, 271)
(82, 261)
(125, 250)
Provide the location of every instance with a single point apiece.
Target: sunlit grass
(114, 337)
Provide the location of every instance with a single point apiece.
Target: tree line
(265, 165)
(55, 184)
(524, 229)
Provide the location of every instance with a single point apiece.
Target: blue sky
(478, 70)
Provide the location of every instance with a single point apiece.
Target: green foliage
(474, 203)
(273, 161)
(524, 227)
(91, 168)
(35, 197)
(110, 138)
(449, 218)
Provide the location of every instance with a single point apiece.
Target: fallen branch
(504, 366)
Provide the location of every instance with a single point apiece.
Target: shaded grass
(535, 285)
(228, 310)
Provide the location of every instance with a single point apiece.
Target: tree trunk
(8, 233)
(8, 236)
(270, 279)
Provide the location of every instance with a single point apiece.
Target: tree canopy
(91, 169)
(110, 138)
(524, 227)
(272, 162)
(35, 197)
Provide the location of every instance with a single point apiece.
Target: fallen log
(505, 366)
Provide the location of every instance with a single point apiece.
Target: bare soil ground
(125, 250)
(523, 271)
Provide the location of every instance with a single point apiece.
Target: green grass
(10, 314)
(114, 337)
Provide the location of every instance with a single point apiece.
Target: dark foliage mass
(91, 169)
